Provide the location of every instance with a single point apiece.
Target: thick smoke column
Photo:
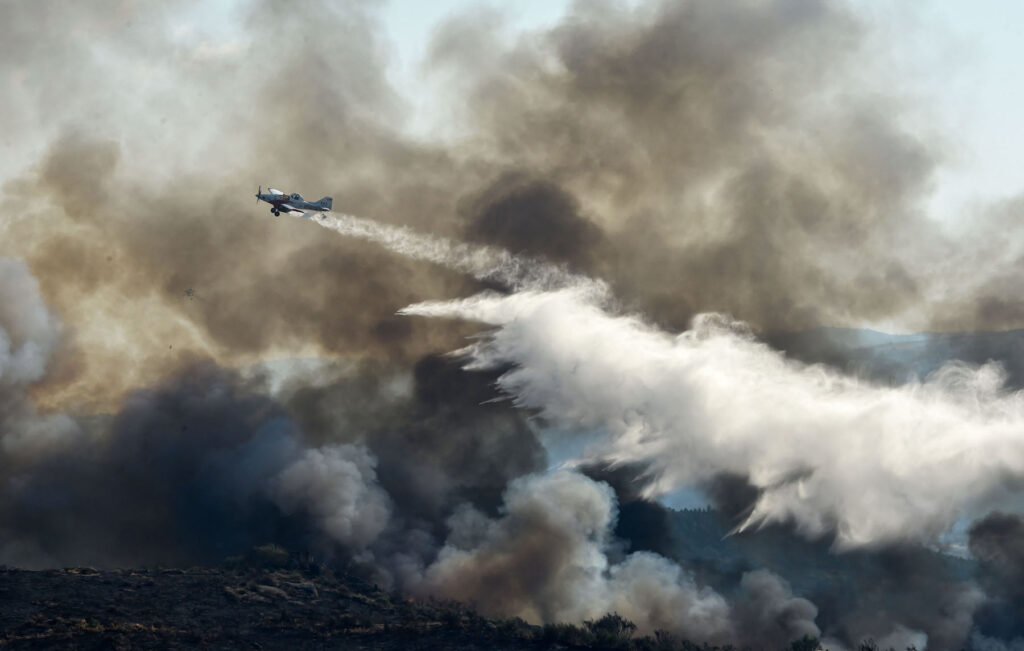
(871, 464)
(337, 486)
(547, 560)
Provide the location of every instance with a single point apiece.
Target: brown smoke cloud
(701, 156)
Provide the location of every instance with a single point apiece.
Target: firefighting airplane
(281, 202)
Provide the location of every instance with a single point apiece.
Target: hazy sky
(962, 58)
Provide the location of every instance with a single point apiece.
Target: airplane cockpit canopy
(296, 196)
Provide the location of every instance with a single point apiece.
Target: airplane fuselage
(281, 202)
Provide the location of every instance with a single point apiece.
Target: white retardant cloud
(833, 454)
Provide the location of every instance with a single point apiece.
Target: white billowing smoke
(29, 334)
(546, 560)
(768, 608)
(481, 262)
(872, 464)
(337, 486)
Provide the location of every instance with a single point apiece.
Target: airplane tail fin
(326, 202)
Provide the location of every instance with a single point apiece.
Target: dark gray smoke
(207, 465)
(177, 477)
(769, 613)
(997, 541)
(439, 438)
(201, 467)
(535, 217)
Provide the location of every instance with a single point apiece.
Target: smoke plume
(336, 486)
(546, 559)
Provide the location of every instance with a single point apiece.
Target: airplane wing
(292, 208)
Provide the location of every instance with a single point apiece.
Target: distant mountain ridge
(894, 359)
(701, 538)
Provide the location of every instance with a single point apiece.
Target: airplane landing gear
(275, 212)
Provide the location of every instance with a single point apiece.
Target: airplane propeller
(258, 193)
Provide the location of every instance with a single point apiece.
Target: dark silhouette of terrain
(238, 608)
(895, 359)
(271, 601)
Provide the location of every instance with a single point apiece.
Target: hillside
(242, 608)
(894, 359)
(258, 606)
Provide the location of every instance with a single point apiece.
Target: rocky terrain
(248, 605)
(240, 608)
(269, 599)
